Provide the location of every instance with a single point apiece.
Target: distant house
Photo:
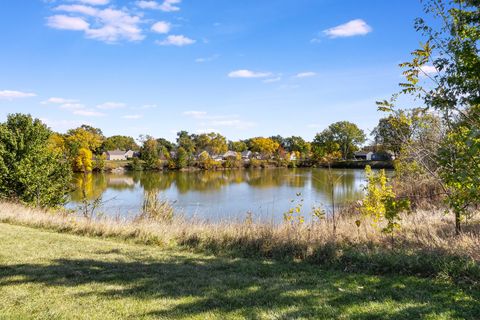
(229, 155)
(119, 155)
(246, 155)
(130, 154)
(363, 155)
(374, 156)
(293, 156)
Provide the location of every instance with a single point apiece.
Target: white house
(363, 155)
(119, 155)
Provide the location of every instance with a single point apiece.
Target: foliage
(341, 136)
(83, 161)
(294, 215)
(83, 137)
(265, 146)
(452, 50)
(120, 143)
(186, 142)
(181, 160)
(392, 132)
(99, 164)
(30, 169)
(149, 153)
(238, 146)
(213, 143)
(298, 145)
(381, 203)
(459, 158)
(135, 164)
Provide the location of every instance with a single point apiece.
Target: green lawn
(45, 275)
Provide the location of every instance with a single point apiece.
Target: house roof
(230, 154)
(362, 153)
(116, 153)
(246, 153)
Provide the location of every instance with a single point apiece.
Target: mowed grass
(47, 275)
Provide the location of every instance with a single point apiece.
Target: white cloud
(133, 116)
(111, 105)
(167, 5)
(62, 125)
(195, 114)
(63, 22)
(207, 120)
(11, 94)
(88, 113)
(78, 8)
(207, 59)
(56, 100)
(72, 106)
(271, 80)
(176, 40)
(428, 70)
(111, 25)
(248, 74)
(161, 27)
(148, 106)
(356, 27)
(305, 74)
(95, 2)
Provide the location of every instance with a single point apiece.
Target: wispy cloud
(207, 120)
(95, 2)
(56, 100)
(133, 116)
(207, 59)
(111, 105)
(244, 73)
(109, 25)
(176, 40)
(88, 113)
(166, 5)
(356, 27)
(195, 114)
(271, 80)
(307, 74)
(12, 94)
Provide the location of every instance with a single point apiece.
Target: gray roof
(116, 153)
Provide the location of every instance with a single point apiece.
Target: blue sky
(243, 68)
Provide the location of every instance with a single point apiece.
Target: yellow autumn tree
(83, 160)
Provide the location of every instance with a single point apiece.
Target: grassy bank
(47, 275)
(425, 246)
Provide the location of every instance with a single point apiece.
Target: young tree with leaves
(30, 169)
(444, 74)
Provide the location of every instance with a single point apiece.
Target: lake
(222, 195)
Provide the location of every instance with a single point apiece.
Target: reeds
(426, 244)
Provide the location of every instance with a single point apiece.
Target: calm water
(220, 195)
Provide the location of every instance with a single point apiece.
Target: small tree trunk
(458, 224)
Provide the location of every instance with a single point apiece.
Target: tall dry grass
(426, 244)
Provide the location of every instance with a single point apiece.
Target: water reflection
(222, 194)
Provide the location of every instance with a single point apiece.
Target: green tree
(186, 141)
(238, 146)
(341, 136)
(297, 144)
(30, 170)
(392, 133)
(149, 153)
(181, 159)
(120, 143)
(444, 74)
